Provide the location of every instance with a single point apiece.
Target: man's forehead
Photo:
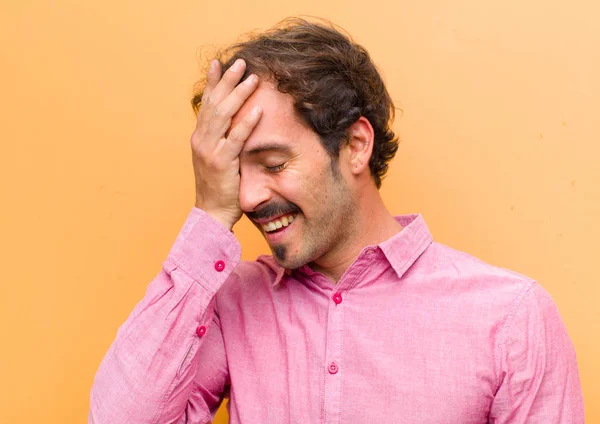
(278, 124)
(269, 99)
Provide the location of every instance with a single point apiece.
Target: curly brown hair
(330, 77)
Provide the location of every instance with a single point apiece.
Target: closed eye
(275, 168)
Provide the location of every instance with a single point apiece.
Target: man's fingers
(238, 135)
(219, 90)
(213, 78)
(220, 86)
(221, 114)
(231, 77)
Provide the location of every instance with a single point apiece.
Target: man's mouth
(278, 223)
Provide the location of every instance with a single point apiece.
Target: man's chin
(281, 254)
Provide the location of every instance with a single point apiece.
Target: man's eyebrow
(270, 147)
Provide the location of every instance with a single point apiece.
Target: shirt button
(337, 298)
(369, 252)
(201, 331)
(333, 368)
(219, 266)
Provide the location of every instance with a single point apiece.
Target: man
(358, 317)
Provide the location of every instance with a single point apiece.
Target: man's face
(288, 188)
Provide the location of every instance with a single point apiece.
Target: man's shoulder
(460, 283)
(458, 270)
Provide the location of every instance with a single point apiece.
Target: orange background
(500, 152)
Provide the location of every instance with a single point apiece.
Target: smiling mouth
(278, 224)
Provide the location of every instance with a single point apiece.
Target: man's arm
(151, 373)
(148, 374)
(538, 367)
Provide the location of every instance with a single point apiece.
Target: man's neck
(373, 225)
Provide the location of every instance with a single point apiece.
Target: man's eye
(275, 168)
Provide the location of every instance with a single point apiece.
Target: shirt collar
(280, 271)
(404, 248)
(401, 250)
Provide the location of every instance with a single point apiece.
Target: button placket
(333, 357)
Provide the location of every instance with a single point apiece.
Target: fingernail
(255, 110)
(213, 65)
(237, 65)
(251, 79)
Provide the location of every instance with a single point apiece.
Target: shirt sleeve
(539, 379)
(151, 372)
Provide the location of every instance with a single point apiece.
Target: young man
(358, 317)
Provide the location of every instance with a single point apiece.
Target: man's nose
(254, 191)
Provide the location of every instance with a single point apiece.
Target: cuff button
(219, 266)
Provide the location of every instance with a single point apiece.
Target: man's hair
(331, 79)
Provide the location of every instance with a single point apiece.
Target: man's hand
(216, 147)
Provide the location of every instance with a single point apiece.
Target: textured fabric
(414, 332)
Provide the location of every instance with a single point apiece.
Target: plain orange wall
(500, 152)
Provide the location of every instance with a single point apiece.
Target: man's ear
(360, 145)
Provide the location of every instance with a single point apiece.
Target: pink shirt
(414, 332)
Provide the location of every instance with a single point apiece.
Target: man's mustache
(274, 209)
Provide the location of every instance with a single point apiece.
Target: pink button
(333, 368)
(201, 331)
(219, 266)
(337, 298)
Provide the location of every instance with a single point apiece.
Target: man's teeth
(276, 224)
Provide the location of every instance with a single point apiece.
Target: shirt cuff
(205, 250)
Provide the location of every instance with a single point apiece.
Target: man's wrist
(219, 217)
